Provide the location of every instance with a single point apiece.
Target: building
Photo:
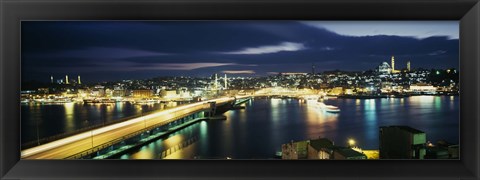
(169, 94)
(336, 91)
(295, 150)
(422, 88)
(452, 149)
(401, 142)
(118, 91)
(142, 93)
(384, 68)
(98, 91)
(436, 152)
(341, 153)
(43, 91)
(320, 149)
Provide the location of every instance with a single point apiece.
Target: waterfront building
(169, 94)
(142, 93)
(98, 91)
(336, 91)
(295, 150)
(118, 91)
(348, 91)
(109, 92)
(320, 149)
(401, 142)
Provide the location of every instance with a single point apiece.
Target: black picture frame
(14, 11)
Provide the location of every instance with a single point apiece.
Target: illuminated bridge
(86, 143)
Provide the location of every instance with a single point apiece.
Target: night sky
(117, 50)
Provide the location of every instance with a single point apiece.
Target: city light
(316, 99)
(351, 142)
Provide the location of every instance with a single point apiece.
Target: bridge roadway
(81, 142)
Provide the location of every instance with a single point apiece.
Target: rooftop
(347, 152)
(406, 128)
(321, 143)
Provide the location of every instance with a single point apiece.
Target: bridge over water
(85, 143)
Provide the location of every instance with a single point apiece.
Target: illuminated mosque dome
(384, 68)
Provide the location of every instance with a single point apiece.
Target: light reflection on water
(53, 119)
(259, 130)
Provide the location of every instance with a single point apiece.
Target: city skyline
(115, 50)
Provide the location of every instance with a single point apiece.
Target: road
(66, 147)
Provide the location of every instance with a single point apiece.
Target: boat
(99, 100)
(329, 108)
(329, 97)
(310, 98)
(53, 100)
(25, 101)
(146, 101)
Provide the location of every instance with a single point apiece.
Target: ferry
(310, 98)
(146, 101)
(329, 108)
(98, 100)
(54, 101)
(25, 101)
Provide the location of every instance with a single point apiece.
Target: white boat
(25, 101)
(329, 108)
(311, 98)
(146, 101)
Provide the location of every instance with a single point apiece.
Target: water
(258, 131)
(54, 119)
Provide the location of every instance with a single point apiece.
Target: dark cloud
(113, 50)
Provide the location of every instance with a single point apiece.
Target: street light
(351, 142)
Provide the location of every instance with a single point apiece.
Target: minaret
(51, 79)
(66, 79)
(79, 81)
(393, 64)
(313, 69)
(408, 65)
(225, 81)
(216, 81)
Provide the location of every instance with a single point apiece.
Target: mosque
(385, 68)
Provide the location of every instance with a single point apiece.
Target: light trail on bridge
(81, 142)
